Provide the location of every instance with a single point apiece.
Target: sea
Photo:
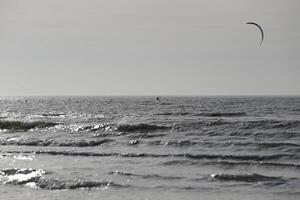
(127, 147)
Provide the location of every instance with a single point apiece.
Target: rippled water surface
(136, 148)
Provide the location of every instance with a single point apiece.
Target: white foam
(21, 157)
(32, 185)
(19, 178)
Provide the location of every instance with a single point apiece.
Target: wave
(251, 144)
(174, 114)
(19, 176)
(222, 114)
(165, 113)
(34, 179)
(271, 124)
(52, 114)
(210, 114)
(239, 157)
(144, 155)
(142, 128)
(275, 127)
(167, 104)
(134, 142)
(58, 184)
(244, 177)
(173, 143)
(105, 127)
(232, 163)
(251, 163)
(145, 176)
(145, 135)
(111, 127)
(24, 126)
(268, 144)
(13, 171)
(265, 134)
(199, 124)
(72, 143)
(287, 124)
(180, 162)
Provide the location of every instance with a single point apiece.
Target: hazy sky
(149, 47)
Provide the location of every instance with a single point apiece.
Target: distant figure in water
(157, 100)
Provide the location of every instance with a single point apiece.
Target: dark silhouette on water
(157, 100)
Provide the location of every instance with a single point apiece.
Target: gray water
(136, 148)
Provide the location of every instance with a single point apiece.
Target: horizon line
(155, 95)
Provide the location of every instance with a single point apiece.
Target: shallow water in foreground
(134, 148)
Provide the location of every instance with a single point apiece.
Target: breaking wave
(105, 127)
(34, 179)
(111, 127)
(19, 176)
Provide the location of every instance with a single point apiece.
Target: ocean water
(136, 148)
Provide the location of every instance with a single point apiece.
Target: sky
(149, 47)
